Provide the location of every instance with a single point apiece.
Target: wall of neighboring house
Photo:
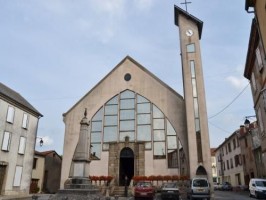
(17, 139)
(214, 165)
(37, 173)
(230, 167)
(255, 71)
(52, 172)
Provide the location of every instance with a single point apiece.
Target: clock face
(189, 32)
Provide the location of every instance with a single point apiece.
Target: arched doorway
(126, 167)
(201, 171)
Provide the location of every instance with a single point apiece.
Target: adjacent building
(18, 130)
(37, 173)
(249, 145)
(255, 72)
(46, 172)
(229, 162)
(214, 165)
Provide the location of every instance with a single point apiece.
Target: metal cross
(186, 2)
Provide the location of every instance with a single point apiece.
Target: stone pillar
(81, 158)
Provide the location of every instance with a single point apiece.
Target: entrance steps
(119, 191)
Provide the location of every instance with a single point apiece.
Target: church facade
(136, 125)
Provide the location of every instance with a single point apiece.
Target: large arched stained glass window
(130, 114)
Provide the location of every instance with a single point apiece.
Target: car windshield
(144, 184)
(261, 183)
(170, 185)
(200, 183)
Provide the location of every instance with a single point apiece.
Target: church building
(136, 125)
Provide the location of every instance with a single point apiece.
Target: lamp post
(41, 140)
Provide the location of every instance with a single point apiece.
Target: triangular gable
(117, 66)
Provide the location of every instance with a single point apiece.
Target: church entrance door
(126, 167)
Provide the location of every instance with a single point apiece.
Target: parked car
(226, 186)
(144, 189)
(257, 188)
(199, 188)
(170, 190)
(216, 186)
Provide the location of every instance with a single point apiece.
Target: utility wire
(229, 103)
(218, 127)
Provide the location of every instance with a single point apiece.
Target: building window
(231, 163)
(246, 142)
(130, 114)
(264, 97)
(226, 149)
(6, 141)
(244, 160)
(260, 122)
(34, 163)
(25, 121)
(18, 174)
(234, 143)
(10, 114)
(259, 59)
(227, 163)
(22, 145)
(191, 48)
(229, 147)
(253, 82)
(237, 162)
(192, 69)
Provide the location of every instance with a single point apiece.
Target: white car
(257, 188)
(199, 188)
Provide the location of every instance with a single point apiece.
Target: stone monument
(78, 185)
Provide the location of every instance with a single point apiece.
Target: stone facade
(255, 72)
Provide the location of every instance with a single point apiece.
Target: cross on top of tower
(186, 2)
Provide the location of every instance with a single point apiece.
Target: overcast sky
(53, 52)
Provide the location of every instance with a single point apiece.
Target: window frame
(25, 121)
(8, 141)
(18, 176)
(22, 145)
(10, 114)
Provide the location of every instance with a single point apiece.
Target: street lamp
(247, 122)
(41, 141)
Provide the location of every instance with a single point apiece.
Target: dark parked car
(170, 191)
(144, 189)
(226, 186)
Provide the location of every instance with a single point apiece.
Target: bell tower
(190, 29)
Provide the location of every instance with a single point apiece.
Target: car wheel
(250, 195)
(256, 195)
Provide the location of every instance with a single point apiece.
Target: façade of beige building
(18, 130)
(129, 101)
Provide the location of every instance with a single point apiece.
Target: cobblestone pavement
(218, 195)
